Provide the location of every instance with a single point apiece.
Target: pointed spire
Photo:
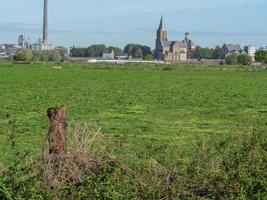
(162, 25)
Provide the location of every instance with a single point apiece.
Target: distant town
(164, 51)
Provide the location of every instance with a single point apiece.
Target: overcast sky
(118, 22)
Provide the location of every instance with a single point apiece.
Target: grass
(149, 111)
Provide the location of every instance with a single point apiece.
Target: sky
(119, 22)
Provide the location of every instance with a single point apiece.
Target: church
(169, 51)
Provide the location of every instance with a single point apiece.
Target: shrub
(261, 56)
(23, 55)
(231, 59)
(244, 59)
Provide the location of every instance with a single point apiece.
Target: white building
(108, 54)
(24, 42)
(40, 46)
(251, 51)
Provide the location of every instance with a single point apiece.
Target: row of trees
(48, 55)
(207, 53)
(134, 50)
(94, 51)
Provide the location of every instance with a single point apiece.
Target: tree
(218, 53)
(137, 50)
(96, 50)
(200, 53)
(23, 55)
(146, 50)
(118, 51)
(244, 59)
(261, 56)
(231, 59)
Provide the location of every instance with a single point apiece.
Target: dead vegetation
(78, 160)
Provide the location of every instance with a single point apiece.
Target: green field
(151, 112)
(168, 132)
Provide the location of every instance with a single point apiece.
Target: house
(231, 48)
(108, 54)
(169, 51)
(251, 51)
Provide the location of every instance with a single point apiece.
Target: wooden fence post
(57, 130)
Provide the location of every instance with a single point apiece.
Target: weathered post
(57, 130)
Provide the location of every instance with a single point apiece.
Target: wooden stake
(57, 130)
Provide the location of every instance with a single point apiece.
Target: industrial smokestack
(45, 24)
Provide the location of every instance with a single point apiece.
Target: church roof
(170, 43)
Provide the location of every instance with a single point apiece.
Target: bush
(261, 56)
(23, 55)
(244, 59)
(231, 59)
(48, 55)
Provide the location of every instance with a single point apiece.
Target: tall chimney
(45, 24)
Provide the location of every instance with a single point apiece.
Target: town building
(170, 51)
(251, 51)
(108, 54)
(231, 48)
(24, 42)
(9, 49)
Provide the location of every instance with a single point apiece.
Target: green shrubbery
(235, 59)
(233, 168)
(261, 56)
(25, 55)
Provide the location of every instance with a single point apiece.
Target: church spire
(162, 32)
(162, 25)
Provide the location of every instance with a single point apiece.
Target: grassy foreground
(158, 113)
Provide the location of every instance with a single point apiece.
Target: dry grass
(79, 159)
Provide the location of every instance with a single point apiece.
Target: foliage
(203, 53)
(23, 55)
(231, 168)
(235, 59)
(118, 51)
(137, 50)
(47, 55)
(94, 51)
(148, 57)
(244, 59)
(231, 59)
(261, 56)
(169, 131)
(218, 53)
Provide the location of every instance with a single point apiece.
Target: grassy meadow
(149, 112)
(152, 111)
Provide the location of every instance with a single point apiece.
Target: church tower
(161, 41)
(162, 32)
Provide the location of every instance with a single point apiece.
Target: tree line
(96, 50)
(40, 56)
